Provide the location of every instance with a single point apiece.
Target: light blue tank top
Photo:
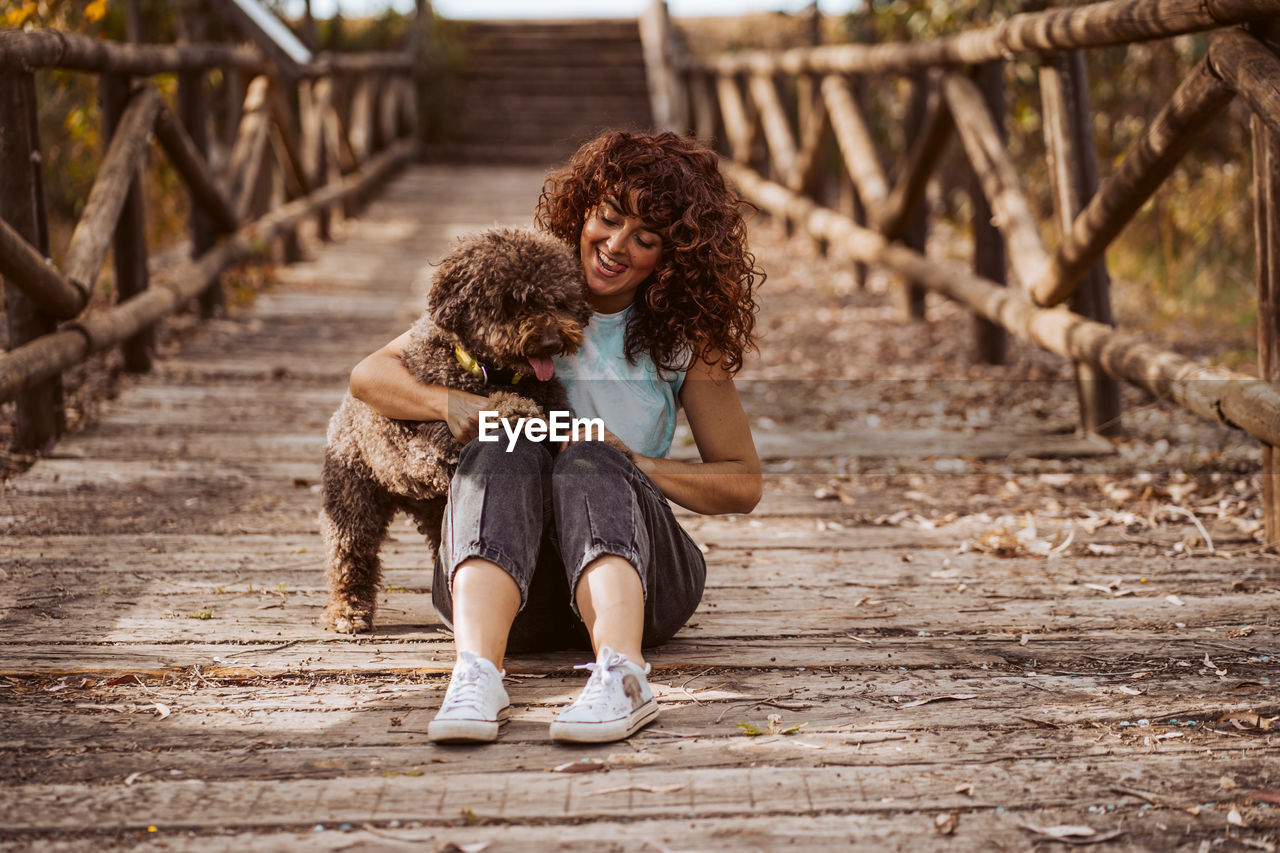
(636, 402)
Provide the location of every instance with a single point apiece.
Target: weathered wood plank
(522, 796)
(389, 654)
(851, 717)
(976, 830)
(168, 610)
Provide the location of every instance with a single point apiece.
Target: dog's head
(512, 298)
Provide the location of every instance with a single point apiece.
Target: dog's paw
(346, 618)
(513, 406)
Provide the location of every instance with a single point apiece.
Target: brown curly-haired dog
(500, 305)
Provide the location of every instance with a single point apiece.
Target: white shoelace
(466, 690)
(601, 677)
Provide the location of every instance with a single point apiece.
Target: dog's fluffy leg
(509, 405)
(353, 522)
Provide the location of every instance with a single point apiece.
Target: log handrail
(1151, 159)
(235, 212)
(1214, 393)
(764, 140)
(92, 236)
(1105, 24)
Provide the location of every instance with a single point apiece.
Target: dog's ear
(446, 302)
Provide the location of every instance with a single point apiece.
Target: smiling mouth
(607, 267)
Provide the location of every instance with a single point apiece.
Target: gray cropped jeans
(544, 519)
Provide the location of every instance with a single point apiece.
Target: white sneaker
(615, 704)
(474, 705)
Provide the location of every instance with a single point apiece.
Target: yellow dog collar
(477, 368)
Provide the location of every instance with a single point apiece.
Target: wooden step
(532, 91)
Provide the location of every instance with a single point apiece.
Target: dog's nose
(549, 345)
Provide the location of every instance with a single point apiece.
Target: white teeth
(609, 266)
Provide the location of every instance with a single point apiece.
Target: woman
(581, 547)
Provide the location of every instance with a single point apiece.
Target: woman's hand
(463, 417)
(608, 438)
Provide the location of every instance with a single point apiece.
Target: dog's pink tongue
(542, 367)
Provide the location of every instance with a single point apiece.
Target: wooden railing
(774, 116)
(301, 142)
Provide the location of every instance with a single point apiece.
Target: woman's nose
(615, 243)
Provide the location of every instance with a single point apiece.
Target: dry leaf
(630, 759)
(586, 765)
(1267, 795)
(1174, 600)
(950, 697)
(1062, 831)
(162, 709)
(1233, 818)
(1226, 783)
(1073, 834)
(648, 789)
(945, 824)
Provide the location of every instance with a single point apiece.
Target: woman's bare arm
(382, 382)
(728, 479)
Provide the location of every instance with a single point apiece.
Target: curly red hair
(699, 298)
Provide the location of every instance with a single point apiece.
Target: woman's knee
(485, 456)
(589, 459)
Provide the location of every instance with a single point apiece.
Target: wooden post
(39, 417)
(129, 246)
(990, 340)
(313, 148)
(423, 30)
(192, 107)
(1073, 173)
(1266, 200)
(309, 27)
(916, 231)
(287, 114)
(1266, 183)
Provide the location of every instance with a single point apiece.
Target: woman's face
(618, 253)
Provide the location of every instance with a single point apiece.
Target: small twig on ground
(271, 648)
(769, 700)
(685, 690)
(1204, 534)
(1134, 792)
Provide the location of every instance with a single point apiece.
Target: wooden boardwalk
(164, 681)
